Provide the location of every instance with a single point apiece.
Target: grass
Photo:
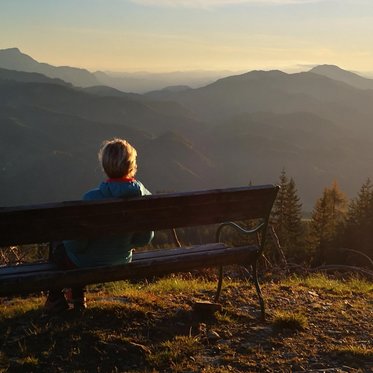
(177, 285)
(223, 317)
(174, 352)
(18, 307)
(324, 282)
(28, 360)
(154, 328)
(289, 320)
(353, 352)
(169, 285)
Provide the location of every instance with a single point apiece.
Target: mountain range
(138, 82)
(237, 130)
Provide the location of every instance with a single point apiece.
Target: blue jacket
(114, 249)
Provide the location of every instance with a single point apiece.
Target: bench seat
(41, 276)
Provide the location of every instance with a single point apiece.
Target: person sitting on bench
(118, 160)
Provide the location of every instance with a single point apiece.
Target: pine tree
(278, 219)
(358, 233)
(328, 215)
(286, 216)
(360, 207)
(293, 216)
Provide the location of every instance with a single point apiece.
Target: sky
(184, 35)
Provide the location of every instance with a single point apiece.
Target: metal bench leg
(220, 282)
(258, 291)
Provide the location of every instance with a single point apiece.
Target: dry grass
(289, 320)
(354, 353)
(313, 323)
(173, 352)
(324, 282)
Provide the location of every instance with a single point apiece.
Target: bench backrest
(90, 219)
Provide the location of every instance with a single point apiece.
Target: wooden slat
(147, 255)
(177, 251)
(25, 268)
(31, 282)
(81, 219)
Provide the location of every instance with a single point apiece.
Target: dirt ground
(310, 327)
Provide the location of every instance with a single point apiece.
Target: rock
(207, 307)
(213, 335)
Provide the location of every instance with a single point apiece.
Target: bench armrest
(260, 228)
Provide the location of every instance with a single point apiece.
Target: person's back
(113, 249)
(118, 160)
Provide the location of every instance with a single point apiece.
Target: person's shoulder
(140, 186)
(93, 194)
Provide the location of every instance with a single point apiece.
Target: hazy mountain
(120, 110)
(141, 82)
(165, 93)
(173, 158)
(237, 130)
(102, 90)
(14, 59)
(278, 92)
(335, 72)
(315, 151)
(168, 108)
(20, 76)
(48, 156)
(318, 128)
(49, 142)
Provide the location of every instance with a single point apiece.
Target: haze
(164, 35)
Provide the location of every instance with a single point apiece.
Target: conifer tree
(358, 232)
(286, 216)
(360, 208)
(328, 215)
(278, 219)
(293, 216)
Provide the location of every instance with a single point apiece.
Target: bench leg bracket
(258, 290)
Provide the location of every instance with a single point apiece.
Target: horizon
(188, 36)
(213, 73)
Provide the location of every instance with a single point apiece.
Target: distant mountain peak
(253, 75)
(326, 66)
(14, 53)
(11, 50)
(14, 59)
(262, 73)
(337, 73)
(334, 69)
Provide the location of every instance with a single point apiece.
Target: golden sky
(165, 35)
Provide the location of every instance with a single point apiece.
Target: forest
(338, 231)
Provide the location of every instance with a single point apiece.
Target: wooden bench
(82, 219)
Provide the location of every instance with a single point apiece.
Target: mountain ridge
(237, 130)
(337, 73)
(14, 59)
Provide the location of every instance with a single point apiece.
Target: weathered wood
(185, 260)
(137, 256)
(25, 268)
(82, 219)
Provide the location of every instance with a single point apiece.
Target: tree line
(340, 230)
